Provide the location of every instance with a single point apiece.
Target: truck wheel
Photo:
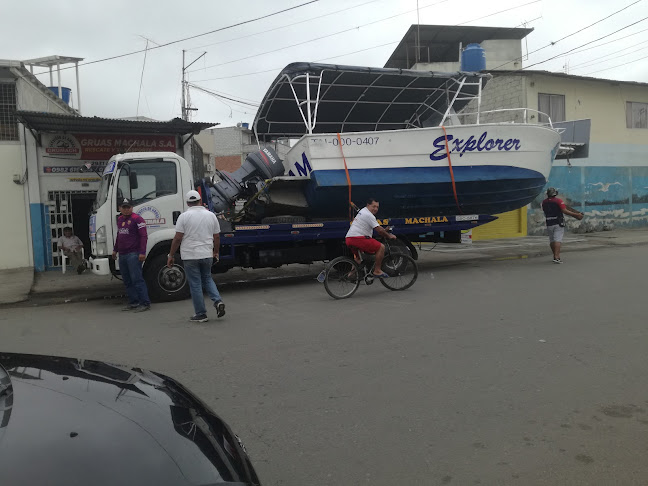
(283, 219)
(166, 284)
(399, 246)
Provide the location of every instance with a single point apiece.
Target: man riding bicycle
(360, 235)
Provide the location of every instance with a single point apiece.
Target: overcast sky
(98, 29)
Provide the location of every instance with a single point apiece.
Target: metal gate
(60, 216)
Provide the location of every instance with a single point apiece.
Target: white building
(19, 90)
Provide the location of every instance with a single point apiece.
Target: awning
(53, 122)
(356, 98)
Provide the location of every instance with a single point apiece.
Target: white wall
(500, 55)
(15, 238)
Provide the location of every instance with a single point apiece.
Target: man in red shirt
(554, 209)
(131, 246)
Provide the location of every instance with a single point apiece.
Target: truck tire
(283, 219)
(400, 246)
(166, 284)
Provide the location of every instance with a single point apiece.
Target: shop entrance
(69, 208)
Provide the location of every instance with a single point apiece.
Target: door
(68, 209)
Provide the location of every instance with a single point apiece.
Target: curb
(532, 251)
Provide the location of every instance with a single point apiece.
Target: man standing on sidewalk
(131, 246)
(554, 209)
(198, 231)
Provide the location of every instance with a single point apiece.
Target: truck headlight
(102, 247)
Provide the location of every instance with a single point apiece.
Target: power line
(527, 22)
(618, 65)
(348, 53)
(601, 59)
(609, 42)
(218, 95)
(194, 36)
(325, 36)
(553, 43)
(502, 11)
(586, 44)
(288, 25)
(357, 27)
(280, 68)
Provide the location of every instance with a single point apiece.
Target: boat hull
(496, 168)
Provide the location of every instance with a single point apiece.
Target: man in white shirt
(72, 247)
(360, 235)
(198, 237)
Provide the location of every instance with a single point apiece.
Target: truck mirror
(132, 179)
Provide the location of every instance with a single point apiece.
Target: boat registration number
(348, 141)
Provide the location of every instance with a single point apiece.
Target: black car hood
(78, 422)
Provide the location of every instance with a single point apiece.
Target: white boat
(396, 135)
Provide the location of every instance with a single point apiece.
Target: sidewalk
(48, 288)
(15, 284)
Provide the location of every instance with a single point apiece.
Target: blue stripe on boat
(404, 191)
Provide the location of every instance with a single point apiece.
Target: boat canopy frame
(308, 98)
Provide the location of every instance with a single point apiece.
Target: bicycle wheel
(342, 278)
(402, 271)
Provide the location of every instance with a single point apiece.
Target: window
(155, 178)
(552, 105)
(636, 115)
(8, 121)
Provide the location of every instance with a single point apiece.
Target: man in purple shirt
(131, 246)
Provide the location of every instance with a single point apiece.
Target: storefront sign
(96, 146)
(84, 179)
(70, 169)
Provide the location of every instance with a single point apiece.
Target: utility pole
(184, 108)
(185, 88)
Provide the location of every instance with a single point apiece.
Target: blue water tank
(65, 93)
(245, 125)
(473, 58)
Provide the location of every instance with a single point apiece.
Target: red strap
(454, 186)
(346, 170)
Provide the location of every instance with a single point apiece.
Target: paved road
(515, 372)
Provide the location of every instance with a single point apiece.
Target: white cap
(192, 196)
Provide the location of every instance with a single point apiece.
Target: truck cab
(156, 183)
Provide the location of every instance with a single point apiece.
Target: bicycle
(342, 275)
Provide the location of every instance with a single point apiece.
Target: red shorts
(368, 245)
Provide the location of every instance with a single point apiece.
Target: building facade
(226, 148)
(19, 90)
(65, 156)
(609, 184)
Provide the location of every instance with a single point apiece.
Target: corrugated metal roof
(51, 122)
(440, 43)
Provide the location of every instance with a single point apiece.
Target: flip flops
(380, 275)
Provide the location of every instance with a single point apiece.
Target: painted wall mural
(610, 197)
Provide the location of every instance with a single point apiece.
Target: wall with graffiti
(610, 197)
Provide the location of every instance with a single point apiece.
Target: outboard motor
(257, 167)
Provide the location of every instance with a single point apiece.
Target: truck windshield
(155, 178)
(102, 194)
